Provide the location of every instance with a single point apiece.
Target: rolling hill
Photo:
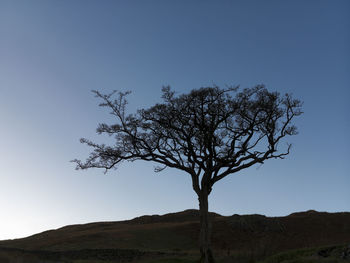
(177, 233)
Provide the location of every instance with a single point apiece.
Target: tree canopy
(206, 132)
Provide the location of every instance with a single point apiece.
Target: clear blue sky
(52, 53)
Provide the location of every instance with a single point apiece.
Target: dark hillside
(178, 232)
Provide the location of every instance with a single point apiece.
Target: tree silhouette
(207, 133)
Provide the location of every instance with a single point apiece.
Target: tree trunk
(205, 229)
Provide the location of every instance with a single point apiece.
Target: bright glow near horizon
(53, 53)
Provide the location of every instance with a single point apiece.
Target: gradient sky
(53, 53)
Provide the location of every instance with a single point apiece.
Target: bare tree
(207, 133)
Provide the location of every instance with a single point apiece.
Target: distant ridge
(183, 216)
(179, 232)
(309, 212)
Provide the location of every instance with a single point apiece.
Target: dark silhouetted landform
(174, 234)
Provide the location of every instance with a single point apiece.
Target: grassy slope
(335, 254)
(235, 238)
(328, 254)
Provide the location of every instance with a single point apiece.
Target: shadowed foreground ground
(248, 238)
